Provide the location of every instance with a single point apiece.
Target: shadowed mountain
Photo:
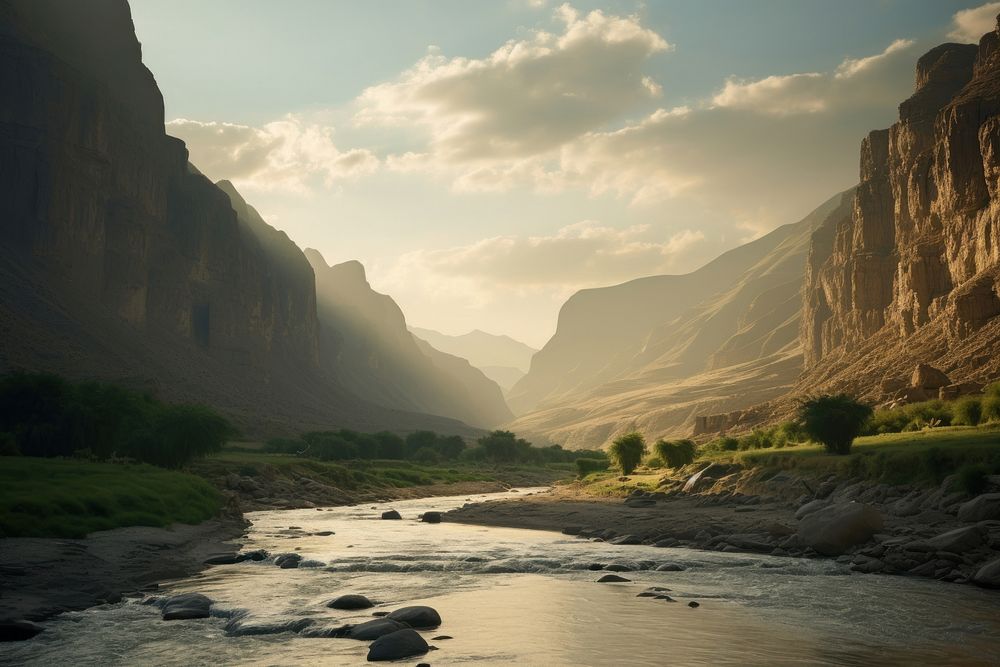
(368, 347)
(655, 353)
(501, 358)
(120, 262)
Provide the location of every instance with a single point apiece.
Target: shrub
(627, 451)
(675, 453)
(834, 420)
(991, 408)
(967, 411)
(971, 478)
(586, 466)
(654, 462)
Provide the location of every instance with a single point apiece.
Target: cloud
(527, 97)
(285, 154)
(578, 255)
(812, 92)
(971, 24)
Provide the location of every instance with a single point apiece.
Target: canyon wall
(912, 274)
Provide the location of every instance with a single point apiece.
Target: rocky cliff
(657, 353)
(367, 347)
(120, 261)
(912, 274)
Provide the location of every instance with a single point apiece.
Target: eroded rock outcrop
(912, 274)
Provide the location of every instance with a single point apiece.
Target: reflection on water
(527, 597)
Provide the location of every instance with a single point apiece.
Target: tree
(627, 451)
(505, 447)
(834, 420)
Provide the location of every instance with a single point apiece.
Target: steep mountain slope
(501, 358)
(368, 347)
(118, 261)
(656, 353)
(913, 273)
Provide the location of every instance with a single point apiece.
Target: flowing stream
(525, 597)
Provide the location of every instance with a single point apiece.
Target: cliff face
(657, 353)
(120, 261)
(367, 346)
(913, 273)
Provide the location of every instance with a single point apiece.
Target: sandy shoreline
(685, 519)
(42, 577)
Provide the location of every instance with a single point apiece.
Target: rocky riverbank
(875, 528)
(42, 577)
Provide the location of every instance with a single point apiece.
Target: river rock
(255, 555)
(431, 517)
(420, 617)
(288, 561)
(17, 631)
(833, 530)
(625, 540)
(618, 567)
(988, 575)
(224, 559)
(957, 541)
(391, 515)
(397, 645)
(612, 579)
(670, 567)
(810, 507)
(186, 606)
(237, 627)
(370, 630)
(749, 542)
(981, 508)
(350, 601)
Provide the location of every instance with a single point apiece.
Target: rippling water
(526, 597)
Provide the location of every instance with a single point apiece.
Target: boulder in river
(225, 559)
(619, 567)
(397, 645)
(625, 540)
(370, 630)
(255, 555)
(981, 508)
(612, 579)
(288, 561)
(670, 567)
(431, 517)
(350, 601)
(237, 627)
(16, 631)
(186, 606)
(833, 530)
(391, 514)
(419, 616)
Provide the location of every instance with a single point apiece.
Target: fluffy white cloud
(969, 25)
(527, 97)
(285, 154)
(578, 255)
(813, 92)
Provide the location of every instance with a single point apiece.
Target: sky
(486, 159)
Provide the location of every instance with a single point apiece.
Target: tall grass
(61, 498)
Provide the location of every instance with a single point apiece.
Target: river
(510, 596)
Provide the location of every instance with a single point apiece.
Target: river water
(525, 597)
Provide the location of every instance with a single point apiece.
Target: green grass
(916, 457)
(67, 498)
(370, 475)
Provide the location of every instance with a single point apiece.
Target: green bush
(967, 411)
(585, 467)
(626, 452)
(991, 408)
(675, 453)
(972, 478)
(834, 420)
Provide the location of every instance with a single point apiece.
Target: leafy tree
(504, 447)
(450, 447)
(834, 420)
(390, 445)
(627, 451)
